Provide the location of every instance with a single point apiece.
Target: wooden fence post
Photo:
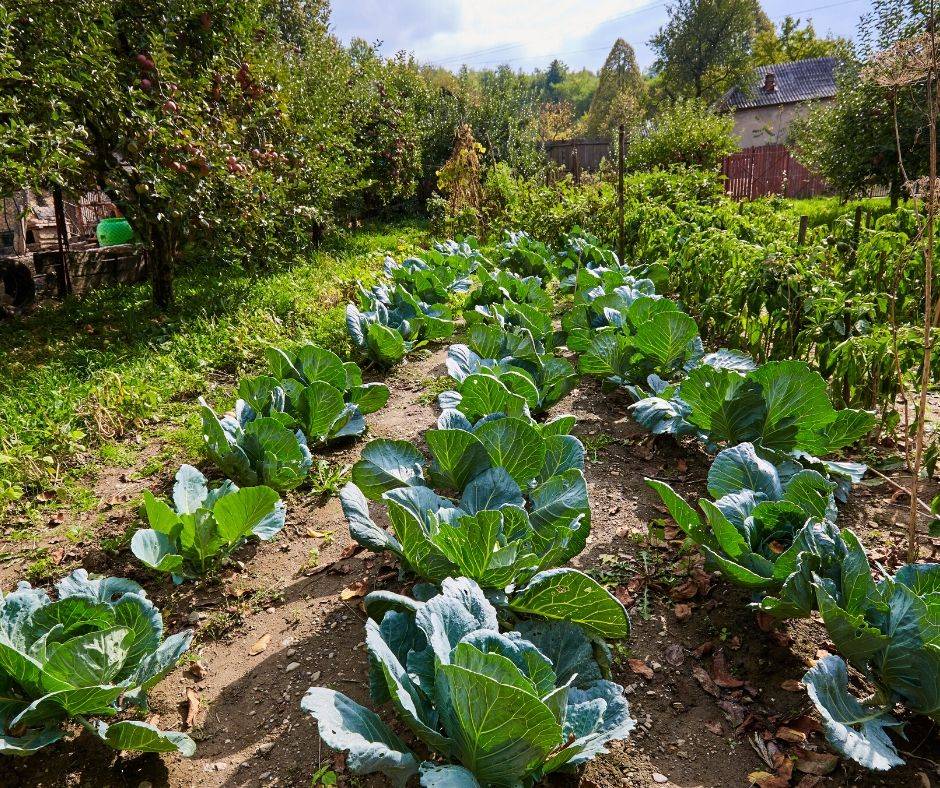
(62, 236)
(575, 165)
(804, 226)
(857, 227)
(621, 234)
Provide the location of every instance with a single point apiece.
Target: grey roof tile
(801, 80)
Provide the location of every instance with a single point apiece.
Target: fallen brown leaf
(789, 734)
(705, 681)
(792, 685)
(688, 590)
(351, 550)
(704, 649)
(639, 667)
(624, 596)
(734, 712)
(819, 763)
(197, 670)
(674, 654)
(767, 780)
(354, 591)
(766, 622)
(260, 645)
(192, 707)
(806, 724)
(683, 612)
(715, 727)
(720, 674)
(811, 781)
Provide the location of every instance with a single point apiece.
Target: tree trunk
(160, 253)
(895, 191)
(159, 237)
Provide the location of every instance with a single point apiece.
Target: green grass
(75, 378)
(825, 211)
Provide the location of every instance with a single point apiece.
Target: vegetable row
(497, 662)
(770, 522)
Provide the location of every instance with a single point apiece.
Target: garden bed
(708, 691)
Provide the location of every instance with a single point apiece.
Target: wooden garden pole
(804, 226)
(621, 233)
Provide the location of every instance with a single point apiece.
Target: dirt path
(702, 679)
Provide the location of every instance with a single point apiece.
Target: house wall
(768, 125)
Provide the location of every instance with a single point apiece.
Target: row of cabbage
(497, 662)
(95, 651)
(769, 524)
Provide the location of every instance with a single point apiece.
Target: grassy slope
(75, 375)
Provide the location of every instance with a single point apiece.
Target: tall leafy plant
(512, 504)
(254, 449)
(782, 404)
(888, 631)
(769, 528)
(390, 323)
(499, 709)
(94, 652)
(204, 527)
(504, 372)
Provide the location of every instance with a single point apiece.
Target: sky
(527, 34)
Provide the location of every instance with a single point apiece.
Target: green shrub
(688, 133)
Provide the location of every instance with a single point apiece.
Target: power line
(479, 52)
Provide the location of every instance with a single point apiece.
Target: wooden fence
(577, 156)
(769, 169)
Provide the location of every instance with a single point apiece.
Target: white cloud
(479, 32)
(519, 31)
(528, 33)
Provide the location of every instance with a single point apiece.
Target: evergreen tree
(557, 71)
(620, 92)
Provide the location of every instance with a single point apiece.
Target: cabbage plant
(502, 502)
(92, 653)
(463, 254)
(782, 404)
(390, 323)
(770, 530)
(253, 449)
(513, 318)
(522, 254)
(582, 252)
(889, 632)
(649, 337)
(203, 527)
(313, 390)
(516, 379)
(495, 285)
(309, 364)
(498, 709)
(432, 280)
(607, 301)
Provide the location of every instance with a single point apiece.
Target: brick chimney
(770, 82)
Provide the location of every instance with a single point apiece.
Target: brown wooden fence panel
(769, 169)
(587, 152)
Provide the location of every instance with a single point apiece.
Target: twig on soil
(899, 487)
